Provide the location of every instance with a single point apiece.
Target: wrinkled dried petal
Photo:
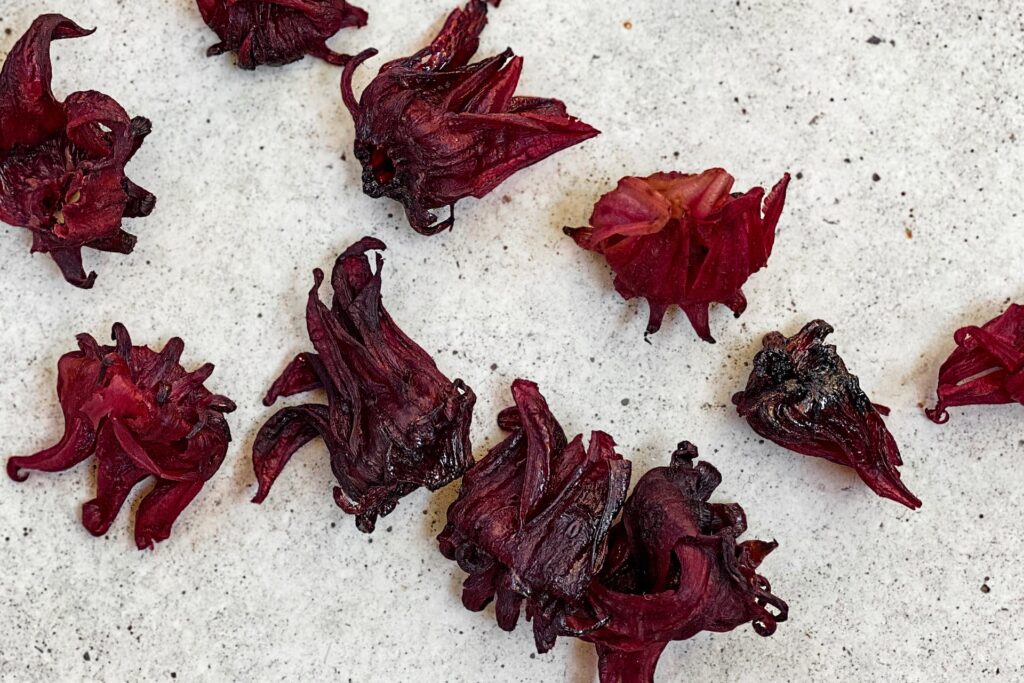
(801, 396)
(142, 415)
(986, 367)
(392, 423)
(62, 163)
(276, 32)
(432, 128)
(674, 569)
(531, 519)
(683, 239)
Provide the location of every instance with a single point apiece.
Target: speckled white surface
(254, 191)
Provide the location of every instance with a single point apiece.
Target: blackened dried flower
(987, 366)
(531, 520)
(62, 163)
(432, 129)
(801, 396)
(276, 32)
(392, 423)
(684, 239)
(142, 415)
(674, 569)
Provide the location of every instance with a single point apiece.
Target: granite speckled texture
(903, 223)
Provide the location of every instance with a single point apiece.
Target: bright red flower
(683, 239)
(674, 569)
(62, 163)
(987, 366)
(532, 517)
(801, 396)
(276, 32)
(142, 415)
(392, 423)
(432, 129)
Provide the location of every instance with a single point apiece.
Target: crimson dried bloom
(276, 32)
(683, 239)
(674, 569)
(432, 129)
(531, 519)
(801, 396)
(142, 415)
(62, 163)
(987, 367)
(392, 423)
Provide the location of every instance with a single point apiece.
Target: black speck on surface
(875, 40)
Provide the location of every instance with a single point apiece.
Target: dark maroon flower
(62, 163)
(142, 415)
(392, 422)
(674, 569)
(683, 239)
(276, 32)
(432, 129)
(531, 520)
(987, 366)
(801, 396)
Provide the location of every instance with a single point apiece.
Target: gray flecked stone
(900, 124)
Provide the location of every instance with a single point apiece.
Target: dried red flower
(142, 415)
(674, 569)
(677, 238)
(62, 163)
(531, 520)
(276, 32)
(392, 422)
(801, 396)
(987, 366)
(432, 129)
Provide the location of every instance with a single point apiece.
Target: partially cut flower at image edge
(392, 423)
(278, 32)
(684, 239)
(432, 128)
(987, 366)
(62, 163)
(801, 396)
(142, 415)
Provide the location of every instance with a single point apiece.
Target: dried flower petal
(392, 422)
(532, 517)
(801, 396)
(683, 239)
(432, 129)
(142, 415)
(986, 367)
(276, 32)
(62, 163)
(674, 569)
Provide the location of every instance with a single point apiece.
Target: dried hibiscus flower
(277, 32)
(986, 367)
(62, 163)
(392, 423)
(801, 396)
(531, 520)
(432, 129)
(142, 415)
(674, 569)
(678, 238)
